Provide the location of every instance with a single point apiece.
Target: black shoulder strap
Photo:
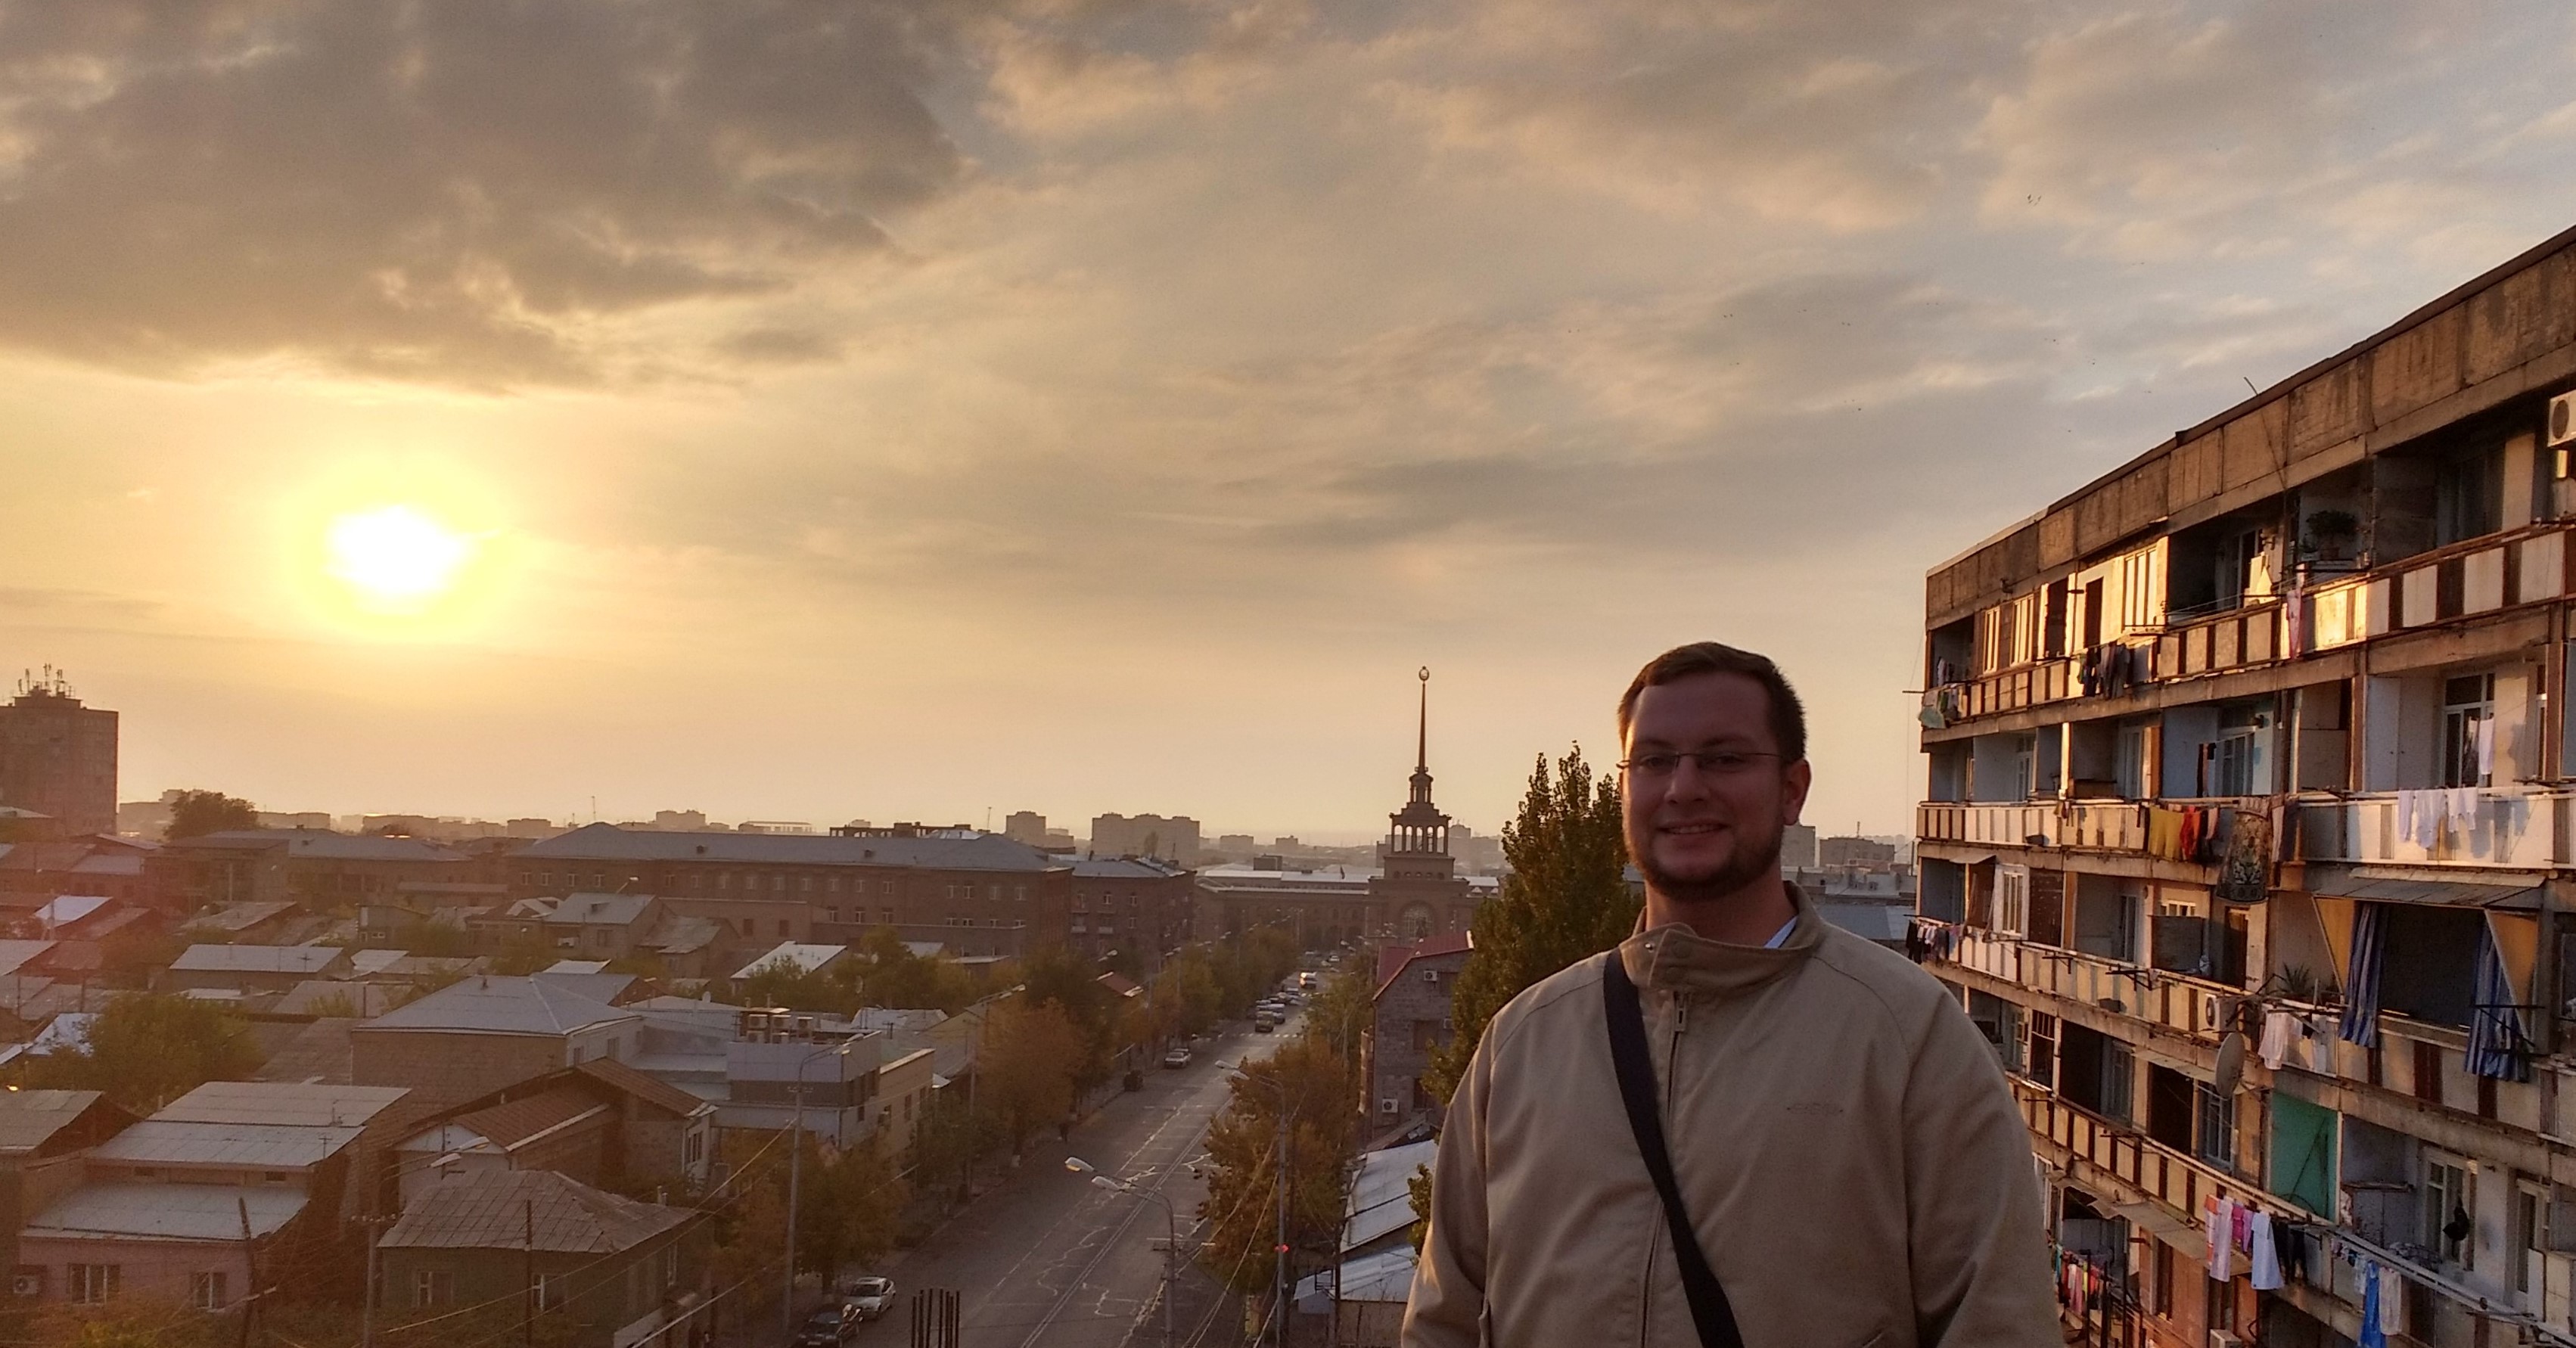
(1709, 1311)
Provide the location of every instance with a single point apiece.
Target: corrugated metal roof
(15, 954)
(129, 1210)
(365, 962)
(490, 1005)
(600, 987)
(1381, 1198)
(69, 908)
(609, 910)
(618, 1076)
(27, 1118)
(257, 959)
(607, 842)
(1384, 1276)
(252, 1146)
(240, 916)
(515, 1121)
(497, 1210)
(803, 957)
(301, 1104)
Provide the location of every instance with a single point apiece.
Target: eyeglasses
(1710, 762)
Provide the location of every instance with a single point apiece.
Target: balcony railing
(2505, 828)
(2483, 575)
(2176, 1002)
(2160, 1172)
(2093, 825)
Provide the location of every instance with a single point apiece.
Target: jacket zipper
(1663, 1108)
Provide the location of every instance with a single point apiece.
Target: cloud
(458, 192)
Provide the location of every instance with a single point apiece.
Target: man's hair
(1788, 715)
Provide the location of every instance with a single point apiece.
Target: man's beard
(1741, 869)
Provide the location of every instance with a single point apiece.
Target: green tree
(1064, 979)
(1321, 1090)
(848, 1209)
(893, 976)
(194, 814)
(782, 983)
(147, 1049)
(1565, 899)
(1341, 1010)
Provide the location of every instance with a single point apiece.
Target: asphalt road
(1047, 1259)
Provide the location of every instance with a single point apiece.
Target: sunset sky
(814, 411)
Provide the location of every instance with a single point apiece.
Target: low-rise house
(902, 1094)
(618, 1271)
(766, 1069)
(602, 1123)
(1409, 1020)
(229, 1184)
(1366, 1289)
(261, 921)
(797, 957)
(254, 968)
(476, 1036)
(43, 1136)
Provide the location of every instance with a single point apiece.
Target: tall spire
(1422, 730)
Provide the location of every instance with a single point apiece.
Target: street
(1047, 1259)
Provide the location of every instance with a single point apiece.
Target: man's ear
(1794, 781)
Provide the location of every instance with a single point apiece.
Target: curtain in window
(2495, 1023)
(2361, 982)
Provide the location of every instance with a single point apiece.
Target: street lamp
(795, 1165)
(1279, 1271)
(1171, 1232)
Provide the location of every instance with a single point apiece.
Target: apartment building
(2250, 841)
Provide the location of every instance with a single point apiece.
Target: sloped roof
(802, 956)
(317, 1054)
(292, 1103)
(602, 987)
(495, 1210)
(240, 916)
(327, 845)
(1384, 1276)
(493, 1005)
(256, 959)
(65, 909)
(515, 1121)
(1381, 1198)
(608, 910)
(128, 1210)
(14, 955)
(576, 967)
(363, 998)
(28, 1118)
(365, 962)
(258, 1146)
(684, 935)
(1391, 960)
(979, 852)
(661, 1095)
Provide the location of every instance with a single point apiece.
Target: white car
(868, 1296)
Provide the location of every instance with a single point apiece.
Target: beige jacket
(1852, 1161)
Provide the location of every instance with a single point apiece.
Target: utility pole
(1279, 1277)
(367, 1305)
(528, 1271)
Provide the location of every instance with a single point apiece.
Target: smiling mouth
(1693, 829)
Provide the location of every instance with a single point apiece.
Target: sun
(397, 556)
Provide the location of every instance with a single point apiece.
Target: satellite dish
(2231, 1063)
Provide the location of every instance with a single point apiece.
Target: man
(1841, 1139)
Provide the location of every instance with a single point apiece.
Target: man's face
(1704, 833)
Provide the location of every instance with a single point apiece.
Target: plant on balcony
(2331, 533)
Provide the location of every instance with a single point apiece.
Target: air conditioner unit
(2219, 1338)
(2209, 1010)
(27, 1284)
(1387, 1105)
(1431, 976)
(2562, 422)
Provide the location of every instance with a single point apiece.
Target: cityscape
(786, 675)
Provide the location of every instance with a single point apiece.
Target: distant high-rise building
(1798, 848)
(1026, 826)
(58, 757)
(1146, 835)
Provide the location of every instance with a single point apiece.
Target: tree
(1566, 898)
(1064, 979)
(893, 976)
(1031, 1054)
(1321, 1090)
(849, 1208)
(147, 1049)
(194, 814)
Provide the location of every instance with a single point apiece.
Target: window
(2041, 1064)
(91, 1284)
(2468, 730)
(832, 914)
(2129, 767)
(832, 885)
(778, 884)
(432, 1287)
(886, 916)
(885, 886)
(2012, 900)
(693, 1147)
(1019, 893)
(994, 892)
(2530, 1235)
(2449, 1197)
(206, 1291)
(724, 879)
(2216, 1132)
(806, 884)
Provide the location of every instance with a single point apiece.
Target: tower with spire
(1418, 892)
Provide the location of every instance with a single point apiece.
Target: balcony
(2089, 825)
(2067, 1134)
(2489, 574)
(2177, 1003)
(2507, 829)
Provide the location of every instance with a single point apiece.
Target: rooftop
(128, 1210)
(490, 1005)
(978, 852)
(293, 1103)
(803, 957)
(1124, 868)
(14, 955)
(28, 1118)
(250, 1146)
(606, 910)
(240, 916)
(256, 959)
(495, 1210)
(322, 844)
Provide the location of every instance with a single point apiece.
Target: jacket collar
(1673, 958)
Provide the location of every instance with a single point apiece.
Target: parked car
(1262, 1024)
(868, 1298)
(830, 1327)
(1176, 1056)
